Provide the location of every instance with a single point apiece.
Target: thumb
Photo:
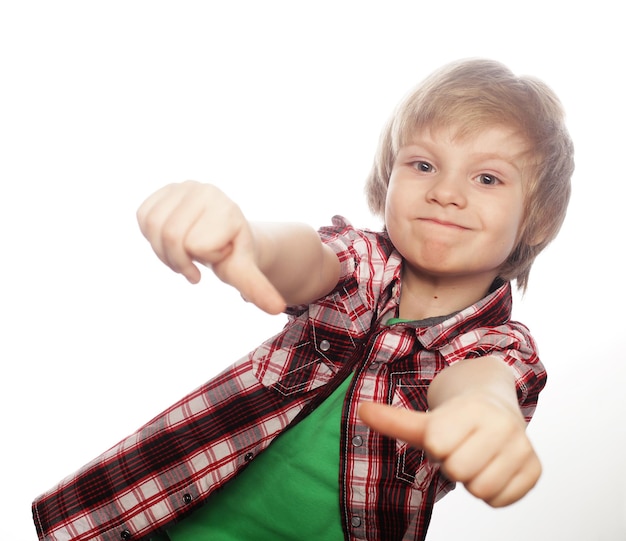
(399, 423)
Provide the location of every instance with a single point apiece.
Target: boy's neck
(424, 296)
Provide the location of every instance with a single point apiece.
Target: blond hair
(470, 96)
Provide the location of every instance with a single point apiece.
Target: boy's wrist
(493, 401)
(485, 381)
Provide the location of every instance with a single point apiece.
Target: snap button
(373, 366)
(125, 534)
(187, 498)
(324, 345)
(355, 521)
(248, 457)
(357, 441)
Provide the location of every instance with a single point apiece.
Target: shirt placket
(359, 467)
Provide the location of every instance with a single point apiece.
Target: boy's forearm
(486, 376)
(295, 261)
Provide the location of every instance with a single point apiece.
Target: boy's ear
(532, 236)
(537, 237)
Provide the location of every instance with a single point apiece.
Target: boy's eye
(423, 167)
(488, 180)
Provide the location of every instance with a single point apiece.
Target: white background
(281, 104)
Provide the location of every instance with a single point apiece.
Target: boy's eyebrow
(516, 161)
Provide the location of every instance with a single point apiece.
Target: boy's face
(454, 206)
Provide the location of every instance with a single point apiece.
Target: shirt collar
(492, 310)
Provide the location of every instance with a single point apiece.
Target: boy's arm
(296, 261)
(474, 429)
(270, 264)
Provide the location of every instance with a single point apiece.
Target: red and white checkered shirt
(387, 489)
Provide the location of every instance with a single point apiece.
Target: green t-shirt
(291, 491)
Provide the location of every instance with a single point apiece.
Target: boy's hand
(192, 222)
(477, 440)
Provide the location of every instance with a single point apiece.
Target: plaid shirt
(387, 489)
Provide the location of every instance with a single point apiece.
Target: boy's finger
(258, 290)
(245, 276)
(402, 424)
(507, 476)
(161, 224)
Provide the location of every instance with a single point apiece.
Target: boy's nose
(448, 189)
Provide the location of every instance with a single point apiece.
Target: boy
(399, 371)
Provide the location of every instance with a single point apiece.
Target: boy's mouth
(444, 223)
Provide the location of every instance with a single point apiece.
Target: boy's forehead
(504, 140)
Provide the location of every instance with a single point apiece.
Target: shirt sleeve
(514, 345)
(341, 236)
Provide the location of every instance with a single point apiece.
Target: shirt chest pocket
(409, 391)
(302, 358)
